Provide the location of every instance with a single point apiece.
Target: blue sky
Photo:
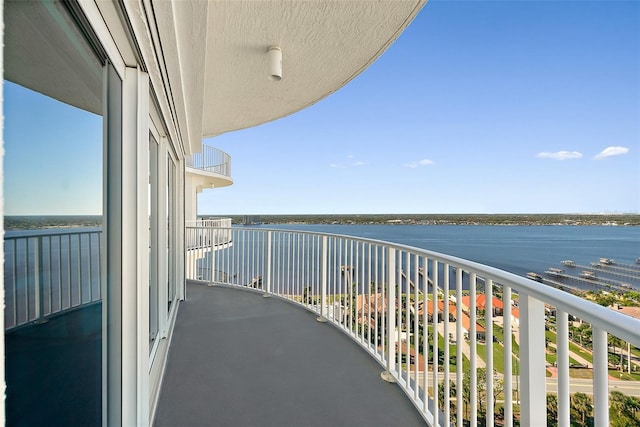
(479, 107)
(53, 156)
(455, 118)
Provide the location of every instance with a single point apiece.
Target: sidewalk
(466, 348)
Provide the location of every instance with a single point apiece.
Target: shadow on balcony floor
(54, 370)
(238, 359)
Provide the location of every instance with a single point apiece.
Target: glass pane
(53, 204)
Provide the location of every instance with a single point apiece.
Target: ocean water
(516, 249)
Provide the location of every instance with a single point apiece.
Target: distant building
(481, 301)
(250, 219)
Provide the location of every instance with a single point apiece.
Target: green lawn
(551, 359)
(551, 336)
(498, 332)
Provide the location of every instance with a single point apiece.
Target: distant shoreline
(36, 222)
(448, 219)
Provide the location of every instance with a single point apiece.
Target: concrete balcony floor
(237, 359)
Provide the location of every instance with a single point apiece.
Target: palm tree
(622, 409)
(634, 404)
(581, 408)
(552, 410)
(615, 342)
(452, 393)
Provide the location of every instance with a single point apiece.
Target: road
(577, 385)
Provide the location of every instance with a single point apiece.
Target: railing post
(391, 317)
(473, 351)
(533, 409)
(508, 356)
(210, 254)
(562, 363)
(600, 377)
(38, 279)
(267, 286)
(323, 281)
(488, 312)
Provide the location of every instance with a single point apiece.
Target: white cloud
(611, 151)
(348, 164)
(423, 162)
(559, 155)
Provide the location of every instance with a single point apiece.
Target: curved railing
(382, 295)
(209, 223)
(210, 159)
(47, 272)
(207, 234)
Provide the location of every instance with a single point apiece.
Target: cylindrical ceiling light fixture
(275, 64)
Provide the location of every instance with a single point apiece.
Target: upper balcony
(210, 168)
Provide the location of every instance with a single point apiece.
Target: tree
(452, 393)
(616, 342)
(552, 410)
(581, 410)
(481, 391)
(622, 409)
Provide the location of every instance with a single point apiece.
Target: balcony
(342, 314)
(379, 295)
(239, 359)
(211, 168)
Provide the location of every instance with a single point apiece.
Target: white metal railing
(382, 296)
(48, 272)
(208, 233)
(209, 223)
(210, 159)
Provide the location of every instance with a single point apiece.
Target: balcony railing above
(210, 160)
(417, 313)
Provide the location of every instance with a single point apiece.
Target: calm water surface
(517, 249)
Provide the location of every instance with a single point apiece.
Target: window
(53, 178)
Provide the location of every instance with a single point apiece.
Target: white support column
(137, 85)
(445, 315)
(434, 362)
(508, 357)
(533, 406)
(600, 377)
(459, 340)
(473, 359)
(2, 382)
(181, 223)
(125, 295)
(488, 312)
(562, 362)
(391, 316)
(267, 290)
(323, 281)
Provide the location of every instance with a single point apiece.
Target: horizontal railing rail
(210, 159)
(208, 234)
(425, 316)
(47, 272)
(209, 222)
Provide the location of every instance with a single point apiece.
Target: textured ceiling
(211, 59)
(45, 52)
(324, 45)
